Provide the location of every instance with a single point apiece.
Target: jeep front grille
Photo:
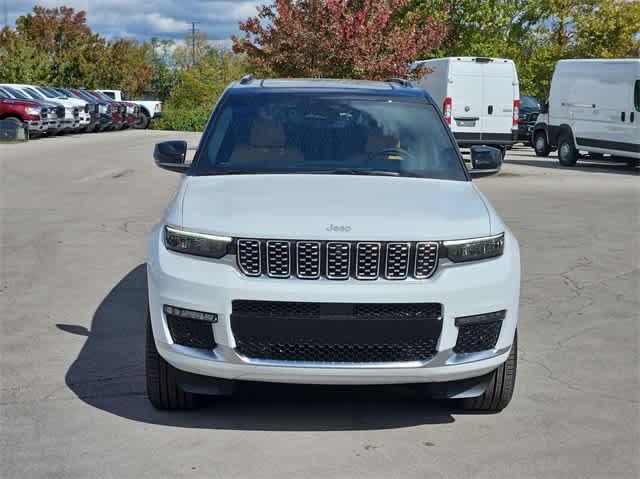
(337, 260)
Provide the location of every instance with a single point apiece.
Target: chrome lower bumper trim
(227, 354)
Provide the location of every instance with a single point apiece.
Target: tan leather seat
(377, 141)
(267, 143)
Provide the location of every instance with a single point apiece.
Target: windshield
(529, 102)
(46, 92)
(102, 96)
(84, 96)
(15, 93)
(307, 133)
(33, 93)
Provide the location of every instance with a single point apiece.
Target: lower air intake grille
(309, 350)
(193, 333)
(477, 337)
(336, 332)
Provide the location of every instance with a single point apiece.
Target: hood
(64, 102)
(73, 101)
(49, 104)
(333, 207)
(20, 102)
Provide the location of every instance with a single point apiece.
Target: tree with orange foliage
(370, 39)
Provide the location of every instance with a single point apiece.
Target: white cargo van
(479, 97)
(593, 110)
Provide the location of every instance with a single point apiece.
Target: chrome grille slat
(367, 260)
(337, 260)
(426, 260)
(308, 259)
(397, 263)
(250, 257)
(278, 259)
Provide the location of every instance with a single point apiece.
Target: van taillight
(446, 109)
(516, 112)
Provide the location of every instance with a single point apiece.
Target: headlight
(474, 249)
(31, 110)
(199, 244)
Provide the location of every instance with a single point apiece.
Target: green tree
(20, 61)
(537, 33)
(165, 74)
(56, 46)
(201, 85)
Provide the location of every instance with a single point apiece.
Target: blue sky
(143, 19)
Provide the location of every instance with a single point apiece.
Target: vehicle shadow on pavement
(109, 375)
(615, 168)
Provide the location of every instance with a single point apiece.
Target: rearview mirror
(545, 108)
(170, 155)
(485, 161)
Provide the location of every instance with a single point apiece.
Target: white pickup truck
(149, 108)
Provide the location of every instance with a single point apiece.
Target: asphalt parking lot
(75, 212)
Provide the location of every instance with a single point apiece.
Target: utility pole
(193, 42)
(6, 16)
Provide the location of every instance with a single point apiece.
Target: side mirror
(545, 108)
(485, 161)
(170, 155)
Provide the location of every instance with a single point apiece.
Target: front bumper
(465, 139)
(211, 286)
(37, 125)
(525, 131)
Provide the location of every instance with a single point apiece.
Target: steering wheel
(393, 151)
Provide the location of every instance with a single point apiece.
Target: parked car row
(53, 110)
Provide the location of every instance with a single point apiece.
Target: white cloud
(218, 19)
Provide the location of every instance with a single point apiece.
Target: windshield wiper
(336, 171)
(235, 172)
(355, 171)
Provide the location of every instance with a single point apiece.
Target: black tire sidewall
(572, 157)
(143, 124)
(545, 150)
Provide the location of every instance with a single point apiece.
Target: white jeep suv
(328, 232)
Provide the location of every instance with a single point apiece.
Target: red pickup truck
(24, 111)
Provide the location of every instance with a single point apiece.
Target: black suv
(529, 111)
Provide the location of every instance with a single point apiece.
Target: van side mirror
(485, 161)
(545, 108)
(170, 155)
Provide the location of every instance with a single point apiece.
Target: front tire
(143, 123)
(540, 144)
(567, 153)
(500, 389)
(162, 388)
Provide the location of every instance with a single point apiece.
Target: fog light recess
(190, 328)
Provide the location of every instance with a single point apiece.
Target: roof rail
(246, 79)
(399, 81)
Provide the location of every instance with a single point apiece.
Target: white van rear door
(465, 91)
(498, 93)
